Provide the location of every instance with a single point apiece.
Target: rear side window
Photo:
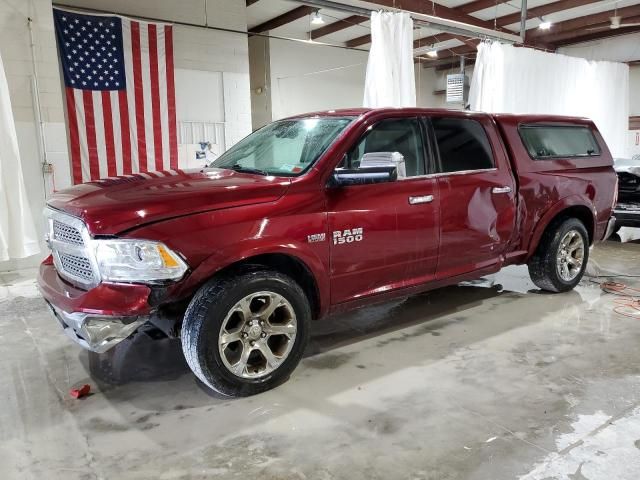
(553, 141)
(463, 144)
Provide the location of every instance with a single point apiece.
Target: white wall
(634, 90)
(198, 51)
(306, 77)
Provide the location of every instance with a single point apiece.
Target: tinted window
(394, 135)
(463, 144)
(286, 147)
(549, 141)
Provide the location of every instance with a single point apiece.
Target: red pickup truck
(316, 214)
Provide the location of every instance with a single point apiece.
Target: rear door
(384, 236)
(477, 194)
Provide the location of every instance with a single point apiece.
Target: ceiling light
(433, 53)
(544, 24)
(316, 19)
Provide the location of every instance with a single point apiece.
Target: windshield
(283, 148)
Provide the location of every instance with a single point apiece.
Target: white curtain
(390, 80)
(509, 79)
(17, 230)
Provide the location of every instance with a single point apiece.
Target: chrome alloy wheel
(257, 334)
(570, 256)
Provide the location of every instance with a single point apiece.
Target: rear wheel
(246, 334)
(561, 258)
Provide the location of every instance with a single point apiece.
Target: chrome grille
(70, 245)
(66, 233)
(79, 267)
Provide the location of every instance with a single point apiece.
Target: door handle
(501, 190)
(420, 199)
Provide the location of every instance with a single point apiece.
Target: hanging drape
(509, 79)
(390, 80)
(17, 230)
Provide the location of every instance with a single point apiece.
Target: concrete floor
(488, 380)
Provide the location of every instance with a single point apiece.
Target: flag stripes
(120, 95)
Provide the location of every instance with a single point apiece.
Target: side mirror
(343, 177)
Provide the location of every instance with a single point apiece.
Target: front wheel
(561, 256)
(245, 334)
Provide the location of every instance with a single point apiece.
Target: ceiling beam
(586, 21)
(427, 8)
(478, 5)
(280, 20)
(587, 37)
(506, 19)
(561, 37)
(543, 10)
(337, 26)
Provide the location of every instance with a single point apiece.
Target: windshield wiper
(239, 168)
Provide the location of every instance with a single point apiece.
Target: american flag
(120, 94)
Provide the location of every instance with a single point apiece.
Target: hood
(113, 205)
(625, 165)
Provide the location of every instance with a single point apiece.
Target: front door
(384, 236)
(477, 196)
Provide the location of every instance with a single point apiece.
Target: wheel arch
(570, 207)
(284, 263)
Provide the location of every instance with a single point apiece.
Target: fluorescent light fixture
(316, 18)
(544, 24)
(433, 53)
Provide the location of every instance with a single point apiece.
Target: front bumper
(99, 318)
(95, 332)
(627, 214)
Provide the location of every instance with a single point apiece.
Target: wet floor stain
(328, 361)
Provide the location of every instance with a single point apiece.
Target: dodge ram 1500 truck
(316, 214)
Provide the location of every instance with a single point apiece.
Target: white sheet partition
(17, 231)
(509, 79)
(390, 80)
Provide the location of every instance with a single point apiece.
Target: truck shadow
(149, 356)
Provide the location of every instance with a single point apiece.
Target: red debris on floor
(83, 391)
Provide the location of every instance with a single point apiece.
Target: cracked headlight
(121, 260)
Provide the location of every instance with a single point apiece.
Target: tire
(545, 266)
(231, 306)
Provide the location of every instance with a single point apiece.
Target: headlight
(137, 261)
